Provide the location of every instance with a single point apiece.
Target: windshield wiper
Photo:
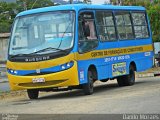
(43, 50)
(49, 48)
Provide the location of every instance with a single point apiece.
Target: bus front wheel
(88, 87)
(33, 93)
(127, 80)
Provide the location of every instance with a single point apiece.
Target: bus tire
(121, 81)
(130, 79)
(88, 87)
(127, 80)
(33, 93)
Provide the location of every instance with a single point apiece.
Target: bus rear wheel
(88, 87)
(121, 81)
(127, 80)
(33, 93)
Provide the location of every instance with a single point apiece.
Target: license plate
(38, 80)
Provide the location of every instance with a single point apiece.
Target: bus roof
(78, 7)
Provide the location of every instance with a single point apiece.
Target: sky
(98, 1)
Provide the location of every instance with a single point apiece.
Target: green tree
(154, 14)
(30, 4)
(8, 11)
(153, 10)
(7, 14)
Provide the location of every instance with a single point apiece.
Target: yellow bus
(72, 46)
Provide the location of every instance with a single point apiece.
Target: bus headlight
(49, 70)
(63, 67)
(67, 65)
(13, 72)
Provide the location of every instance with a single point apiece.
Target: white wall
(3, 48)
(157, 47)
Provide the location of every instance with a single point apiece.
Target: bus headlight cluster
(67, 65)
(13, 72)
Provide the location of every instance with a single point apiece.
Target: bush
(5, 27)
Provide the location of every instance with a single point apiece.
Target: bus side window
(86, 28)
(80, 32)
(140, 25)
(92, 30)
(87, 33)
(105, 25)
(124, 25)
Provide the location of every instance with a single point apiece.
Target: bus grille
(34, 74)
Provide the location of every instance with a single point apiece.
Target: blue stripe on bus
(45, 70)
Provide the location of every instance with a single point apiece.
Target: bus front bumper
(64, 78)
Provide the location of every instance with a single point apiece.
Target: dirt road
(143, 97)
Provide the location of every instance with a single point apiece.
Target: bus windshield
(43, 33)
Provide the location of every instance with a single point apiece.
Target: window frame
(94, 23)
(147, 24)
(124, 25)
(113, 12)
(114, 25)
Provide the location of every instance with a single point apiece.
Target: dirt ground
(152, 70)
(108, 98)
(9, 95)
